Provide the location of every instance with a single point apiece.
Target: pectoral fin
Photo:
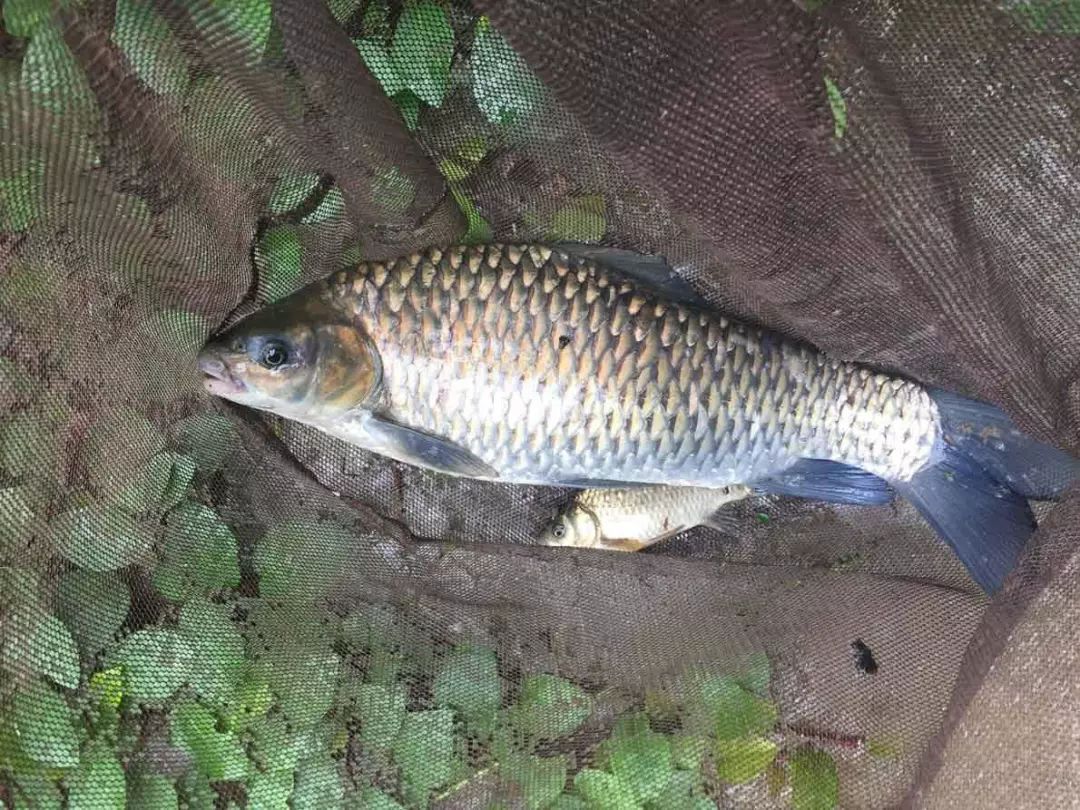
(723, 521)
(422, 449)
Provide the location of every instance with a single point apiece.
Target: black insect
(864, 658)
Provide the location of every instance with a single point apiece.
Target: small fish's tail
(975, 492)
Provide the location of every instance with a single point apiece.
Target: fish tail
(974, 491)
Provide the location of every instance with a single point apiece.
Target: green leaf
(814, 783)
(343, 9)
(733, 711)
(251, 701)
(218, 646)
(538, 780)
(94, 606)
(270, 791)
(424, 751)
(478, 229)
(422, 48)
(46, 733)
(100, 540)
(18, 586)
(39, 643)
(98, 783)
(381, 709)
(374, 799)
(304, 681)
(153, 792)
(118, 450)
(678, 793)
(550, 707)
(744, 760)
(22, 18)
(687, 752)
(148, 44)
(176, 335)
(248, 19)
(603, 791)
(107, 687)
(469, 682)
(472, 150)
(146, 488)
(208, 438)
(40, 792)
(199, 554)
(640, 758)
(16, 521)
(180, 475)
(504, 88)
(409, 105)
(277, 746)
(378, 61)
(27, 445)
(318, 785)
(20, 197)
(393, 190)
(332, 208)
(283, 258)
(300, 559)
(755, 673)
(290, 190)
(580, 220)
(156, 661)
(452, 170)
(217, 755)
(567, 802)
(883, 747)
(50, 73)
(1048, 16)
(838, 107)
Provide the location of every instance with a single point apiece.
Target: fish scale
(602, 379)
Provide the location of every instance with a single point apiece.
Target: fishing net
(201, 606)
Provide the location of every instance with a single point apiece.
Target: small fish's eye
(274, 355)
(558, 530)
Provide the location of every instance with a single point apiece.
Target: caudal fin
(988, 437)
(975, 495)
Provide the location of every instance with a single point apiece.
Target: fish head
(574, 526)
(300, 359)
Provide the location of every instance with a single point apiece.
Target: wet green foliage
(838, 107)
(1048, 16)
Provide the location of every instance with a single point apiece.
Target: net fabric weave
(203, 607)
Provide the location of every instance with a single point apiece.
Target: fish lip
(217, 379)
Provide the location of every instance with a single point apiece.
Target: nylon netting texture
(203, 607)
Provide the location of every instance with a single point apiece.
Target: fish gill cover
(201, 607)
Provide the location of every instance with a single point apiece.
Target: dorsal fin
(648, 271)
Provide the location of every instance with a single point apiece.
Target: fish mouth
(217, 379)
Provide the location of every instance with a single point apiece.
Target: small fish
(590, 367)
(633, 519)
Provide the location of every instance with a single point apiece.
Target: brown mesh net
(204, 607)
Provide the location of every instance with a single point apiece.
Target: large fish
(587, 367)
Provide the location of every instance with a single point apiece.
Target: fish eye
(274, 354)
(558, 531)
